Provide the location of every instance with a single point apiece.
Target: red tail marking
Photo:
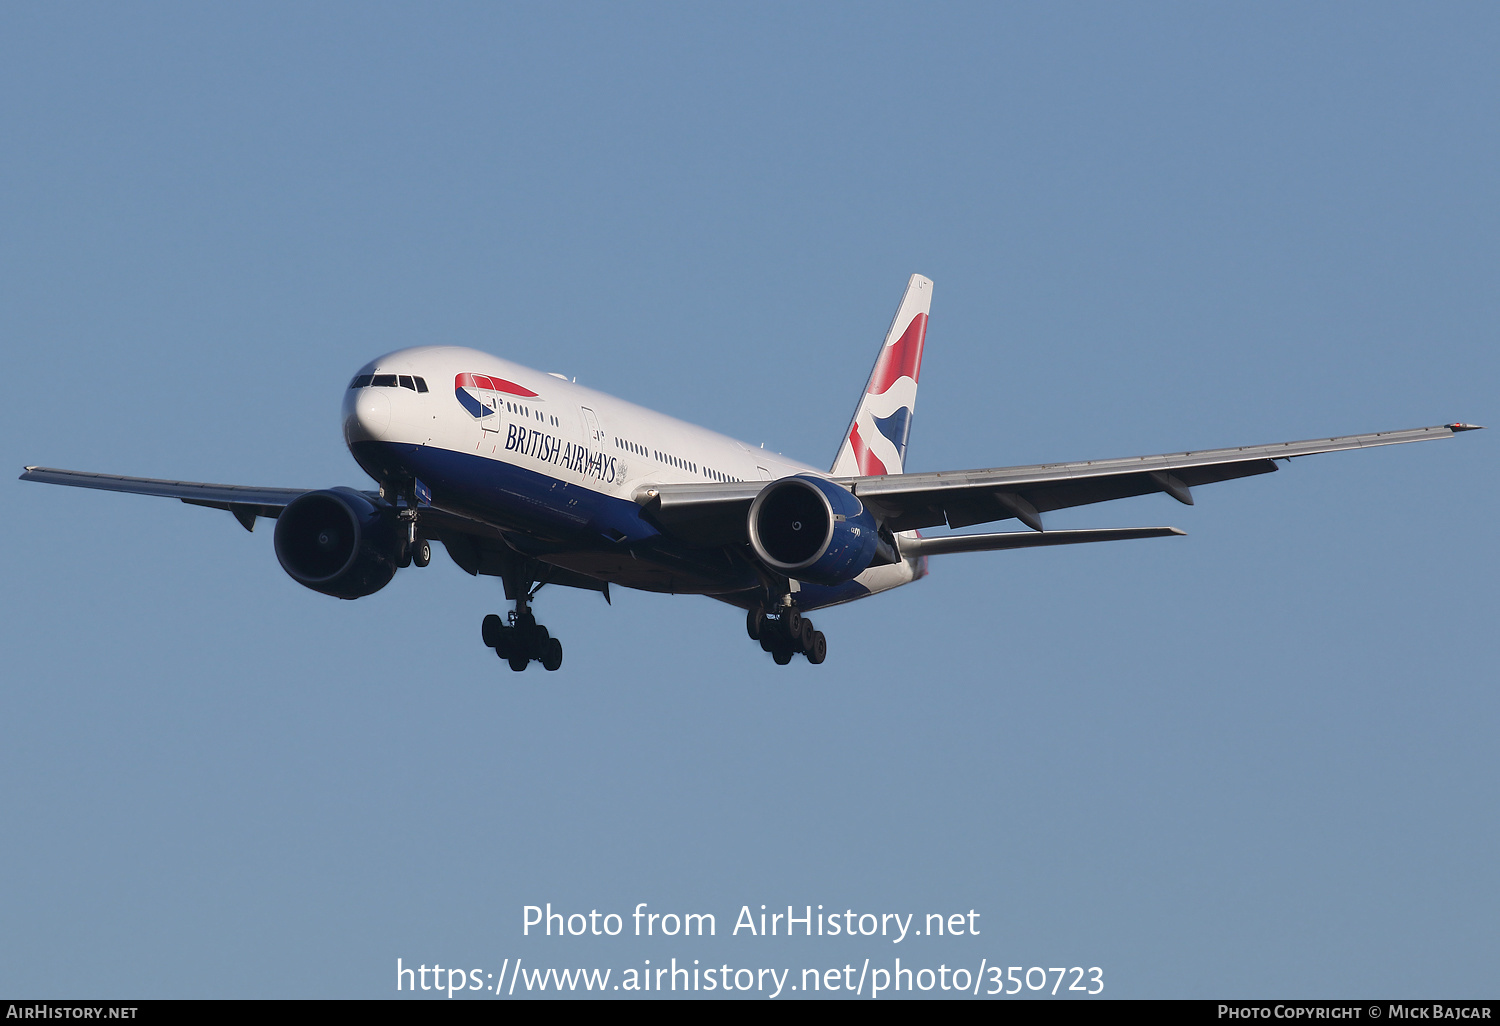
(867, 461)
(901, 360)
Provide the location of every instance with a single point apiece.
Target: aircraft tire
(755, 623)
(403, 555)
(552, 657)
(539, 639)
(805, 638)
(818, 650)
(782, 654)
(767, 643)
(518, 661)
(791, 622)
(492, 630)
(422, 552)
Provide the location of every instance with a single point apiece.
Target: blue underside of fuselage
(549, 516)
(496, 492)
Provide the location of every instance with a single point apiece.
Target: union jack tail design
(876, 440)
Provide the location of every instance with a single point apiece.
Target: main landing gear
(787, 634)
(523, 639)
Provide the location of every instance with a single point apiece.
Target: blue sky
(1255, 761)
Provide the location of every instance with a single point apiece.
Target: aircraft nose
(370, 418)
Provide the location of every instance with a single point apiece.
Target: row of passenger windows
(665, 457)
(680, 464)
(526, 411)
(389, 381)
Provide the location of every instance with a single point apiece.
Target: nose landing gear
(522, 639)
(412, 548)
(786, 635)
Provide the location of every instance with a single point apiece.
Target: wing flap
(1026, 539)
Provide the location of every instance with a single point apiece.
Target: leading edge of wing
(266, 501)
(1046, 473)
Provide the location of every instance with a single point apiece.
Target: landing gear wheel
(539, 639)
(421, 553)
(791, 621)
(518, 661)
(492, 630)
(818, 650)
(782, 654)
(552, 654)
(505, 644)
(755, 623)
(767, 643)
(805, 638)
(403, 555)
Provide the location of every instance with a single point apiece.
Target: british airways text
(549, 449)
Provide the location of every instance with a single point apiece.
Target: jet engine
(812, 530)
(338, 542)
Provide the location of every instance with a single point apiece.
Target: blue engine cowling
(812, 530)
(338, 542)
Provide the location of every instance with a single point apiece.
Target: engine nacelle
(338, 542)
(812, 530)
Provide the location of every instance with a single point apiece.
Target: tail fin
(876, 440)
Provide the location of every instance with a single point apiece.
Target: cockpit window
(410, 381)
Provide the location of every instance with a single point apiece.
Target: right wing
(966, 497)
(715, 514)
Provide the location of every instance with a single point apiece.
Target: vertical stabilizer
(876, 440)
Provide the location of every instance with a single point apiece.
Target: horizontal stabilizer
(1025, 540)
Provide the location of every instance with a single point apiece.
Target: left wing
(477, 548)
(716, 513)
(246, 502)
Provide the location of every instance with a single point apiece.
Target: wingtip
(1455, 428)
(1178, 531)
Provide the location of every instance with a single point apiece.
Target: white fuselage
(536, 453)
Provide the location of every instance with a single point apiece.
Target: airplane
(535, 479)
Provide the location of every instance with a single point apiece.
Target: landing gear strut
(412, 548)
(522, 639)
(787, 634)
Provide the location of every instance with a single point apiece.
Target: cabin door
(591, 428)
